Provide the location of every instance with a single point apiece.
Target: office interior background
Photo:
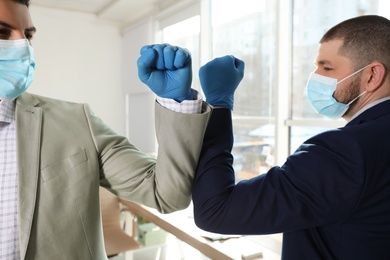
(86, 51)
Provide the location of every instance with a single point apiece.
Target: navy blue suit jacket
(331, 198)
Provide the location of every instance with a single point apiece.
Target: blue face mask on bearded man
(319, 92)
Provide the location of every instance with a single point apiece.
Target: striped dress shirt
(9, 232)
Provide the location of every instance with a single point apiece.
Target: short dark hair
(23, 2)
(365, 39)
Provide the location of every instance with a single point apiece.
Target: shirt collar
(7, 111)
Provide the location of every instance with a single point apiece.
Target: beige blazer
(65, 153)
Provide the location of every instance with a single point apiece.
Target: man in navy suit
(331, 198)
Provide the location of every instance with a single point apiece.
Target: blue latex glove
(219, 79)
(166, 70)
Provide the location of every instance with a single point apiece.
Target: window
(247, 29)
(278, 41)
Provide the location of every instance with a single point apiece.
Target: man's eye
(5, 33)
(327, 69)
(29, 36)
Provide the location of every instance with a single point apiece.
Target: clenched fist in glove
(219, 79)
(166, 70)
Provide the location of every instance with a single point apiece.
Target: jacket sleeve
(306, 191)
(164, 183)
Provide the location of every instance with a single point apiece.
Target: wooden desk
(181, 224)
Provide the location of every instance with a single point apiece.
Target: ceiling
(122, 11)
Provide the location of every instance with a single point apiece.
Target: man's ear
(375, 76)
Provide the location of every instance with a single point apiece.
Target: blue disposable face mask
(17, 67)
(319, 92)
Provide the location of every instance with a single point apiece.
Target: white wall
(140, 99)
(79, 58)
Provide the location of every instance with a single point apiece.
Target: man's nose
(17, 35)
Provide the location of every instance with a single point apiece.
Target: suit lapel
(28, 136)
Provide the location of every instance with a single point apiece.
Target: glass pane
(300, 134)
(247, 30)
(253, 148)
(311, 20)
(186, 34)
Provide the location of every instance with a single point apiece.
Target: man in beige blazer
(64, 153)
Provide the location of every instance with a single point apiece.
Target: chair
(116, 220)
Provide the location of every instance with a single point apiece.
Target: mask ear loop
(356, 72)
(361, 94)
